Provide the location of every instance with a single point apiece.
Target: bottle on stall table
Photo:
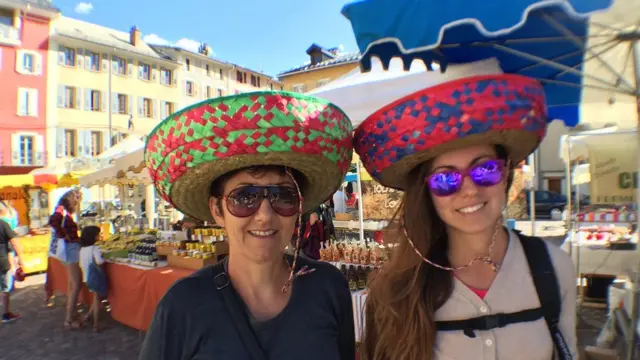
(352, 277)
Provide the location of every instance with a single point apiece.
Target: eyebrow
(282, 183)
(473, 162)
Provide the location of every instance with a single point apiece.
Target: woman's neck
(464, 247)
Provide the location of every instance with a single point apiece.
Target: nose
(265, 212)
(469, 188)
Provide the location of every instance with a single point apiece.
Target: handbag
(58, 246)
(96, 279)
(240, 321)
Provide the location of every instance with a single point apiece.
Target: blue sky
(265, 35)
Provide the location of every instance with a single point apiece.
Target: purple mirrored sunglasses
(448, 182)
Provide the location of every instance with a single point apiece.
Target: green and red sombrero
(188, 150)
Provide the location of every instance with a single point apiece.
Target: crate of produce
(192, 263)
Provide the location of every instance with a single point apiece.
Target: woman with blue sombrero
(459, 285)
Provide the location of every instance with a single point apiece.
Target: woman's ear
(216, 210)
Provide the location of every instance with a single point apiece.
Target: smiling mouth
(262, 233)
(471, 209)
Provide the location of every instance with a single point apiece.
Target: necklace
(485, 259)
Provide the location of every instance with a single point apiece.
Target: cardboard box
(190, 263)
(595, 353)
(164, 249)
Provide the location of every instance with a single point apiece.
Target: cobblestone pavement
(40, 335)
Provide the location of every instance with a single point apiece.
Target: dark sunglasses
(448, 182)
(245, 201)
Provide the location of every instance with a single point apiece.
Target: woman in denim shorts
(66, 228)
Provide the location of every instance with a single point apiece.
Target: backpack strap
(238, 316)
(548, 289)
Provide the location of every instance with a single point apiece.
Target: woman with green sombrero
(253, 163)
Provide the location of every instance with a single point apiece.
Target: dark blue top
(192, 321)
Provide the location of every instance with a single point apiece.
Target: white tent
(361, 94)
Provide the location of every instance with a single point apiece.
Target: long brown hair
(405, 294)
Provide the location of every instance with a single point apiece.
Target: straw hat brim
(322, 179)
(518, 143)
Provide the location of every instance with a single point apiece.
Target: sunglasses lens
(284, 200)
(445, 183)
(244, 201)
(488, 173)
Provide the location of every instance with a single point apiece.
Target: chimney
(134, 36)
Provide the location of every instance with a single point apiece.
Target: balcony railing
(9, 35)
(18, 159)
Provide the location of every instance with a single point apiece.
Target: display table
(133, 295)
(32, 251)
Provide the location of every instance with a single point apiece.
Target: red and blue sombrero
(499, 109)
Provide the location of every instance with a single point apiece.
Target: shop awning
(16, 180)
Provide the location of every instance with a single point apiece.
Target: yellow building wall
(265, 82)
(310, 78)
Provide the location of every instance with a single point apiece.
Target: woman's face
(263, 236)
(473, 208)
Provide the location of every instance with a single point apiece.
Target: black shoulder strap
(548, 289)
(240, 321)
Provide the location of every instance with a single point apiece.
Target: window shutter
(87, 99)
(38, 65)
(163, 77)
(79, 57)
(130, 67)
(130, 103)
(140, 107)
(15, 149)
(154, 72)
(23, 108)
(41, 151)
(184, 87)
(174, 77)
(60, 142)
(140, 73)
(61, 96)
(106, 142)
(104, 101)
(32, 105)
(20, 62)
(78, 93)
(115, 105)
(114, 65)
(105, 62)
(154, 108)
(163, 110)
(88, 143)
(88, 61)
(61, 55)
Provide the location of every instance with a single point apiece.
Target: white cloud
(341, 47)
(184, 43)
(83, 8)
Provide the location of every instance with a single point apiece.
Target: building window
(96, 100)
(323, 82)
(191, 89)
(241, 77)
(300, 88)
(271, 86)
(169, 108)
(144, 71)
(122, 104)
(221, 75)
(254, 81)
(96, 143)
(220, 93)
(206, 66)
(27, 102)
(166, 77)
(69, 57)
(26, 150)
(70, 143)
(120, 66)
(71, 97)
(94, 61)
(209, 92)
(28, 62)
(147, 105)
(187, 64)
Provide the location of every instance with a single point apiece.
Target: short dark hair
(88, 235)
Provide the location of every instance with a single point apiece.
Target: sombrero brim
(322, 179)
(518, 143)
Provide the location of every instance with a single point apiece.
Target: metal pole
(631, 344)
(110, 97)
(532, 195)
(568, 187)
(360, 202)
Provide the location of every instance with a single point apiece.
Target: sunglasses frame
(266, 195)
(464, 173)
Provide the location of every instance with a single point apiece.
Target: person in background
(351, 198)
(91, 260)
(65, 227)
(8, 263)
(339, 202)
